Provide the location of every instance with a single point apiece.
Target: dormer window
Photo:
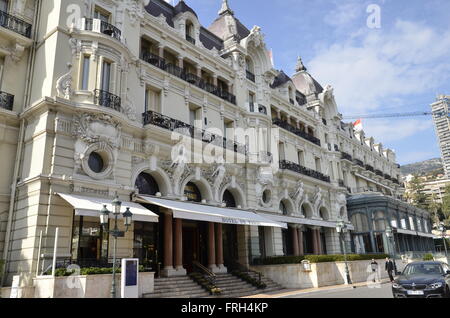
(190, 32)
(291, 95)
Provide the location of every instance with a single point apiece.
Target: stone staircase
(177, 287)
(234, 287)
(231, 286)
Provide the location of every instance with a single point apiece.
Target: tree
(446, 206)
(417, 196)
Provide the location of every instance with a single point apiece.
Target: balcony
(193, 79)
(346, 156)
(106, 99)
(370, 168)
(190, 39)
(387, 177)
(165, 122)
(97, 25)
(15, 24)
(251, 76)
(358, 162)
(282, 124)
(287, 165)
(6, 101)
(379, 173)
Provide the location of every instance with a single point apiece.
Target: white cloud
(376, 67)
(395, 129)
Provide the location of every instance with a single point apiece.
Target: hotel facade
(221, 158)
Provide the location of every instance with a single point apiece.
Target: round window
(266, 196)
(96, 163)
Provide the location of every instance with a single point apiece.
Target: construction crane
(414, 114)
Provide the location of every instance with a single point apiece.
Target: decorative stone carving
(298, 195)
(64, 84)
(75, 46)
(128, 108)
(93, 128)
(318, 199)
(218, 177)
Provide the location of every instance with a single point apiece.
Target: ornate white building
(99, 88)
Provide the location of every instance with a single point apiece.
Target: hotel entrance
(230, 245)
(194, 244)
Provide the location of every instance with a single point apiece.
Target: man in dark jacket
(389, 268)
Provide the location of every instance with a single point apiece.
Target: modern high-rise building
(440, 110)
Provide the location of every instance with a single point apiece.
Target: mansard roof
(219, 27)
(280, 79)
(158, 7)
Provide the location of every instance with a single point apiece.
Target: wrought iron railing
(157, 119)
(287, 165)
(379, 173)
(6, 101)
(250, 76)
(358, 162)
(370, 168)
(387, 177)
(106, 99)
(15, 24)
(346, 156)
(207, 274)
(190, 39)
(154, 60)
(280, 123)
(105, 28)
(188, 77)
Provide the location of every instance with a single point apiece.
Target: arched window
(146, 184)
(283, 208)
(190, 32)
(228, 199)
(192, 192)
(306, 211)
(360, 223)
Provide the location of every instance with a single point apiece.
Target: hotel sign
(227, 220)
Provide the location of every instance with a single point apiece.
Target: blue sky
(400, 67)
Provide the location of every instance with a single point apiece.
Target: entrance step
(177, 287)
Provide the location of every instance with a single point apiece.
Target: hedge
(59, 272)
(316, 259)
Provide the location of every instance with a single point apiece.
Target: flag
(270, 54)
(358, 125)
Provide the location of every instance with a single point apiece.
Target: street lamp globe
(104, 216)
(117, 204)
(128, 217)
(388, 231)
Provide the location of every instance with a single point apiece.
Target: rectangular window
(4, 5)
(89, 241)
(301, 157)
(411, 223)
(106, 76)
(85, 73)
(101, 15)
(152, 100)
(318, 165)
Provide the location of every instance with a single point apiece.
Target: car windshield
(423, 269)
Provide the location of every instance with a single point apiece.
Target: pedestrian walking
(374, 266)
(389, 268)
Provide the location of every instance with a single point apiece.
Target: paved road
(384, 291)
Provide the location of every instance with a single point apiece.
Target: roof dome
(304, 82)
(227, 25)
(182, 7)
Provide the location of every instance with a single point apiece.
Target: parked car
(423, 280)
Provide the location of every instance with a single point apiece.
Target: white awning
(409, 232)
(88, 206)
(430, 235)
(303, 221)
(199, 212)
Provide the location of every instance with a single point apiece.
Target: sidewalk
(291, 292)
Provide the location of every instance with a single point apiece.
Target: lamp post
(104, 220)
(443, 231)
(341, 228)
(390, 233)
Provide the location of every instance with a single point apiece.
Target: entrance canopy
(88, 206)
(304, 221)
(198, 212)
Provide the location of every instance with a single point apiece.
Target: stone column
(211, 248)
(319, 242)
(215, 79)
(180, 61)
(300, 241)
(199, 71)
(168, 269)
(295, 241)
(219, 249)
(178, 240)
(315, 246)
